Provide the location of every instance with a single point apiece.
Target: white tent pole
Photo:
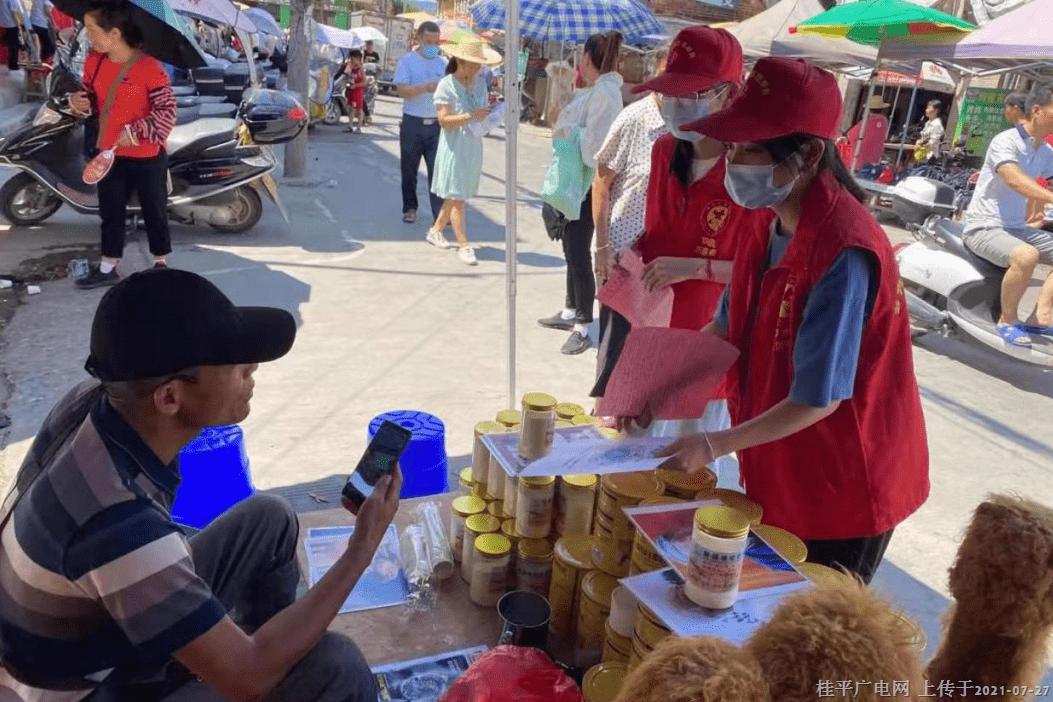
(866, 111)
(512, 104)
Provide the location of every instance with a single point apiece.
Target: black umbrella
(166, 35)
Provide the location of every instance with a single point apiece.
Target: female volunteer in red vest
(692, 229)
(827, 420)
(139, 121)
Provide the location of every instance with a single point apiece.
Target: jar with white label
(575, 502)
(718, 546)
(474, 527)
(462, 508)
(534, 505)
(511, 494)
(481, 454)
(539, 420)
(534, 566)
(495, 480)
(489, 569)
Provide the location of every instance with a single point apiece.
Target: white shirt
(593, 110)
(627, 152)
(994, 203)
(8, 8)
(932, 136)
(415, 70)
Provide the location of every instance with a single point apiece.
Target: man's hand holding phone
(375, 515)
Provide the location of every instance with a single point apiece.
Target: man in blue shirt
(416, 78)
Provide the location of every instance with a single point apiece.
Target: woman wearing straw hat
(461, 98)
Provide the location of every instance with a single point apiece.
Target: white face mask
(753, 187)
(677, 112)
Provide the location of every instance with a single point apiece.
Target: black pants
(148, 177)
(861, 556)
(14, 45)
(418, 140)
(614, 328)
(576, 236)
(248, 557)
(47, 44)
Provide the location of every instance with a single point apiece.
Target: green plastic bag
(568, 179)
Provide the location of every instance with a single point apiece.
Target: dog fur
(1002, 585)
(838, 633)
(701, 669)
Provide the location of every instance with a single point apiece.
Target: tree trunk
(300, 42)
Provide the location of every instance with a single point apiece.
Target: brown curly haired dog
(1002, 584)
(819, 643)
(702, 669)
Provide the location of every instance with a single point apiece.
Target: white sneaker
(467, 255)
(438, 240)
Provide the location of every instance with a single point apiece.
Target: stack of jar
(648, 632)
(618, 491)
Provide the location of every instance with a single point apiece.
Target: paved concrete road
(388, 322)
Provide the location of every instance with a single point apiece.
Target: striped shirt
(93, 572)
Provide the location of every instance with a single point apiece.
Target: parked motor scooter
(217, 165)
(948, 287)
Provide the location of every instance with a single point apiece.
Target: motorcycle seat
(186, 115)
(186, 134)
(949, 235)
(187, 101)
(183, 90)
(219, 109)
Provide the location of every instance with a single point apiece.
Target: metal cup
(524, 617)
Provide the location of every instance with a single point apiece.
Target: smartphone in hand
(380, 458)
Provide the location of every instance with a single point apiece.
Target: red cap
(782, 96)
(699, 58)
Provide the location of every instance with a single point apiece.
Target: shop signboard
(981, 118)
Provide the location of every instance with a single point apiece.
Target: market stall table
(398, 634)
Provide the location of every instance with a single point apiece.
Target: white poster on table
(600, 457)
(505, 447)
(662, 592)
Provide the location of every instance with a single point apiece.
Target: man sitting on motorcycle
(996, 226)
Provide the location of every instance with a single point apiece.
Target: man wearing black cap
(103, 597)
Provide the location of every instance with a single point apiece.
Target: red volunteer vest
(864, 469)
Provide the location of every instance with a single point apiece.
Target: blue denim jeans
(417, 140)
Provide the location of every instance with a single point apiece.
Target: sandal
(1014, 335)
(1044, 331)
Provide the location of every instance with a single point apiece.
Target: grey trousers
(248, 558)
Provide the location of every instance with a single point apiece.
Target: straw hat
(473, 51)
(878, 103)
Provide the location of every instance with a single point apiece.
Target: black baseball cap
(163, 321)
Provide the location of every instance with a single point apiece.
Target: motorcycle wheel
(24, 201)
(248, 211)
(332, 114)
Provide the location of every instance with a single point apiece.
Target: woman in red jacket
(140, 117)
(827, 419)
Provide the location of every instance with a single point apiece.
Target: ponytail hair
(451, 66)
(603, 50)
(785, 147)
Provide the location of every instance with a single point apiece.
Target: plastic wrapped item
(416, 562)
(438, 545)
(513, 674)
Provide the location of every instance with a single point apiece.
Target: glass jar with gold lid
(535, 431)
(718, 546)
(489, 569)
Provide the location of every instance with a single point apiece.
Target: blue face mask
(429, 51)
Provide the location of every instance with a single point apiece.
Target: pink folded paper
(673, 372)
(625, 294)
